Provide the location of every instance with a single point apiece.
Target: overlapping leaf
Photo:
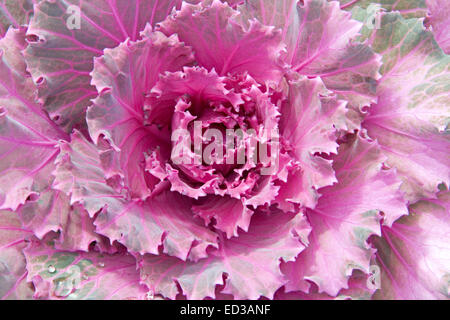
(308, 124)
(319, 38)
(252, 259)
(165, 219)
(102, 213)
(346, 215)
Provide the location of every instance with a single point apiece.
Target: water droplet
(68, 283)
(51, 269)
(63, 287)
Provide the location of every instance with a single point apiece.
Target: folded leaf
(229, 214)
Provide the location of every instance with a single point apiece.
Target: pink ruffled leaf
(414, 254)
(223, 45)
(252, 259)
(165, 219)
(308, 126)
(412, 113)
(347, 214)
(60, 55)
(24, 129)
(82, 275)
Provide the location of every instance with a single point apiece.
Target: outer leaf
(414, 255)
(407, 8)
(439, 19)
(82, 276)
(318, 36)
(165, 220)
(123, 76)
(12, 262)
(346, 215)
(413, 106)
(142, 227)
(24, 129)
(61, 59)
(52, 212)
(235, 50)
(15, 13)
(252, 259)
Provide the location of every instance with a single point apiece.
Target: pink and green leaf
(82, 275)
(410, 119)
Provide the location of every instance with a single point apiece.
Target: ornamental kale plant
(253, 149)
